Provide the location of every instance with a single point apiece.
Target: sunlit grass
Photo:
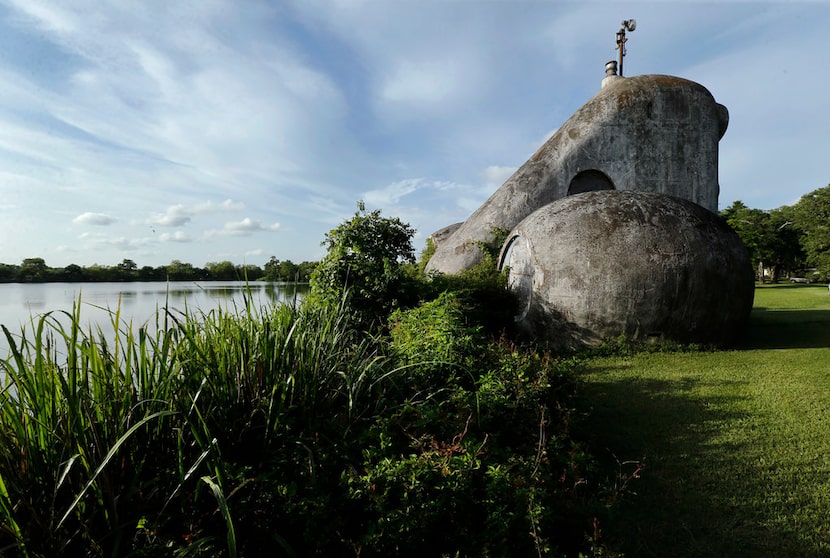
(736, 443)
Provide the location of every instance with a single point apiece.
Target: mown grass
(736, 444)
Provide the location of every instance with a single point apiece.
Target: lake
(19, 302)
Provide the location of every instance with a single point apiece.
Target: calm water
(138, 301)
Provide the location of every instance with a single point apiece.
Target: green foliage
(285, 428)
(288, 271)
(435, 340)
(290, 430)
(812, 216)
(770, 237)
(35, 270)
(481, 291)
(481, 468)
(364, 265)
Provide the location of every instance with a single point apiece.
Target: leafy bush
(435, 340)
(364, 266)
(481, 291)
(484, 470)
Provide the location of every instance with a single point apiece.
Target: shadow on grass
(787, 329)
(689, 500)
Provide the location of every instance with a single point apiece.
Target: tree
(128, 265)
(248, 272)
(272, 269)
(8, 273)
(33, 270)
(73, 273)
(812, 217)
(364, 264)
(305, 269)
(288, 271)
(222, 271)
(770, 238)
(180, 271)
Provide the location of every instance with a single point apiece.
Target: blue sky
(209, 130)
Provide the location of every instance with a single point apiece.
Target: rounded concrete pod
(601, 264)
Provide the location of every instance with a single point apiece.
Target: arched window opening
(590, 181)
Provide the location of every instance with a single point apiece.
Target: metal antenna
(630, 25)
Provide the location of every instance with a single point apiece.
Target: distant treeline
(35, 270)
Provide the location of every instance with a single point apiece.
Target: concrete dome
(600, 264)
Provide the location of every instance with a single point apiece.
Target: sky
(211, 130)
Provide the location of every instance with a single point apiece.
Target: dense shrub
(364, 266)
(435, 341)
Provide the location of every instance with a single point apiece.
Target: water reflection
(137, 303)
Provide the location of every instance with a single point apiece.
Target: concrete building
(613, 223)
(651, 133)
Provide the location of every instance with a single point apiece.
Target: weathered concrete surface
(441, 235)
(652, 133)
(600, 264)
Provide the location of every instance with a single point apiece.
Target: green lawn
(736, 444)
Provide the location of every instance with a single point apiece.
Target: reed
(116, 440)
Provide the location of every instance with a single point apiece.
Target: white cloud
(176, 236)
(245, 227)
(89, 218)
(173, 216)
(179, 214)
(424, 84)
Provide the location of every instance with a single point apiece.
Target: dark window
(589, 181)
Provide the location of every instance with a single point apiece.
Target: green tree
(248, 272)
(33, 270)
(364, 264)
(305, 270)
(128, 265)
(787, 252)
(288, 271)
(150, 273)
(180, 271)
(769, 237)
(73, 273)
(222, 271)
(8, 273)
(812, 217)
(272, 269)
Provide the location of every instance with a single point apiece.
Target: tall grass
(112, 442)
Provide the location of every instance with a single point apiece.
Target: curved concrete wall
(600, 264)
(652, 133)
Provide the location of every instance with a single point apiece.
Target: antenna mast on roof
(630, 25)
